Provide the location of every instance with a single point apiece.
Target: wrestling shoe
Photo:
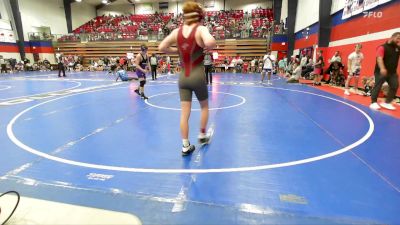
(137, 91)
(374, 106)
(188, 150)
(144, 96)
(203, 139)
(388, 106)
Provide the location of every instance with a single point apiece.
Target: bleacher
(246, 48)
(115, 36)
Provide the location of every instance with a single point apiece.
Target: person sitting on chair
(295, 77)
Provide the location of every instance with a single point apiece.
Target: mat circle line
(347, 148)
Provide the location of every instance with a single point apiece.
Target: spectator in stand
(333, 62)
(61, 67)
(103, 27)
(20, 66)
(336, 73)
(106, 62)
(79, 67)
(296, 73)
(307, 71)
(239, 64)
(122, 61)
(13, 63)
(253, 65)
(160, 33)
(226, 63)
(318, 69)
(256, 63)
(27, 64)
(46, 64)
(100, 65)
(304, 61)
(178, 66)
(168, 62)
(368, 83)
(336, 57)
(289, 67)
(260, 64)
(160, 64)
(234, 64)
(282, 65)
(386, 71)
(3, 64)
(171, 66)
(245, 67)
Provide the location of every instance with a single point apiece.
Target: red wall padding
(305, 43)
(365, 25)
(369, 51)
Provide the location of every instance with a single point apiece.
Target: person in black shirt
(61, 67)
(318, 69)
(387, 60)
(47, 64)
(26, 61)
(13, 62)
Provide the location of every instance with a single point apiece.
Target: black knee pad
(142, 83)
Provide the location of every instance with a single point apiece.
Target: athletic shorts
(356, 73)
(267, 70)
(318, 71)
(194, 83)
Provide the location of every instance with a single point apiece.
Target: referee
(153, 64)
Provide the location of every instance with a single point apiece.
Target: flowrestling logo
(373, 14)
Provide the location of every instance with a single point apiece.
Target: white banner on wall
(347, 9)
(384, 1)
(369, 4)
(5, 24)
(355, 7)
(7, 36)
(209, 3)
(145, 8)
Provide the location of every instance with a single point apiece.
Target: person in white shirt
(233, 64)
(168, 61)
(304, 61)
(296, 73)
(239, 64)
(268, 62)
(336, 57)
(253, 65)
(354, 68)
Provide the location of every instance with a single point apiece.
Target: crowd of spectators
(12, 65)
(222, 24)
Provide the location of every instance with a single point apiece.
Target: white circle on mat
(4, 87)
(347, 148)
(242, 101)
